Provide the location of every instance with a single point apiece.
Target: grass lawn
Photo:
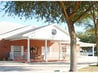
(91, 68)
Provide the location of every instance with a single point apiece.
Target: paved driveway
(49, 67)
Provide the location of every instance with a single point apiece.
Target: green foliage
(29, 9)
(87, 37)
(49, 10)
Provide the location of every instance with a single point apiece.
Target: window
(54, 31)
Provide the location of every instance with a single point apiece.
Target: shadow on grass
(93, 65)
(14, 68)
(90, 68)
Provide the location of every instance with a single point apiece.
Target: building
(30, 43)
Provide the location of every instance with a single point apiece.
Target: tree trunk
(73, 53)
(96, 34)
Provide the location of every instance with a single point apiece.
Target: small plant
(32, 48)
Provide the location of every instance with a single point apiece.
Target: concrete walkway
(10, 66)
(48, 67)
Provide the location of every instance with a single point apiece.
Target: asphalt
(44, 67)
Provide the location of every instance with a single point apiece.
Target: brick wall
(33, 43)
(4, 48)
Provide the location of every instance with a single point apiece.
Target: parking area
(48, 67)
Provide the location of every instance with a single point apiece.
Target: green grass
(91, 68)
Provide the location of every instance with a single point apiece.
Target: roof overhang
(42, 33)
(82, 44)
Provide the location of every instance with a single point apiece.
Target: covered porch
(39, 50)
(90, 46)
(42, 39)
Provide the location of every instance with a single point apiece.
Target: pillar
(45, 50)
(93, 49)
(28, 49)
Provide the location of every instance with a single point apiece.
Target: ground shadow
(14, 68)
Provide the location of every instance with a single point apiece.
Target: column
(45, 50)
(12, 53)
(22, 50)
(28, 49)
(93, 49)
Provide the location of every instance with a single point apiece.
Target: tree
(61, 11)
(86, 37)
(94, 16)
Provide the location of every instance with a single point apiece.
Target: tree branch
(75, 9)
(84, 13)
(63, 7)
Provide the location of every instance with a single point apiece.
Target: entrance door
(16, 51)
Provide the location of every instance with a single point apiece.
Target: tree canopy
(50, 10)
(88, 36)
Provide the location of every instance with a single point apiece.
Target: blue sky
(31, 21)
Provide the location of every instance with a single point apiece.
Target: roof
(42, 32)
(83, 44)
(8, 26)
(45, 32)
(17, 33)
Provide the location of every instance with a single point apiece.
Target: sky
(5, 18)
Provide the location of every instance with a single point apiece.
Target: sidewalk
(10, 66)
(43, 67)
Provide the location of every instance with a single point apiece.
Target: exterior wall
(37, 44)
(4, 49)
(33, 43)
(78, 50)
(54, 51)
(67, 55)
(64, 53)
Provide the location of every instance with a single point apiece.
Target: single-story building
(30, 43)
